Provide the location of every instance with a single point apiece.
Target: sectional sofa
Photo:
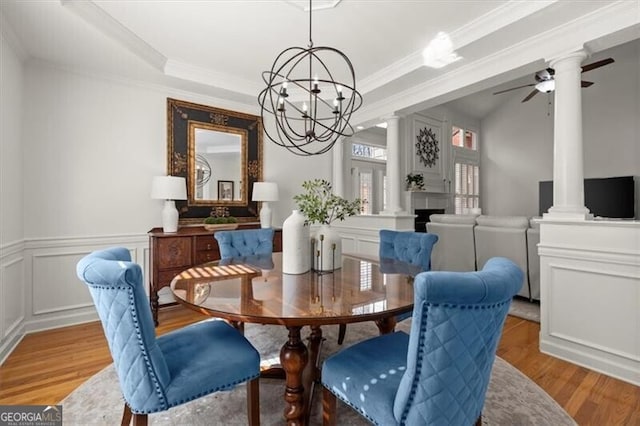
(466, 242)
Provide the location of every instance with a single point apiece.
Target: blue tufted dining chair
(439, 373)
(156, 374)
(406, 246)
(245, 242)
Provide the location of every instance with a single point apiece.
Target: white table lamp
(265, 192)
(169, 188)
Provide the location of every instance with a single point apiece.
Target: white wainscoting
(12, 296)
(590, 295)
(39, 286)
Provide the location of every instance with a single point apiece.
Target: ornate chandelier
(305, 107)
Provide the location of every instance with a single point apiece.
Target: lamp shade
(169, 188)
(265, 191)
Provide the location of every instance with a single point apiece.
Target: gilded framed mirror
(219, 152)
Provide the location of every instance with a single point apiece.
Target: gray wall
(517, 138)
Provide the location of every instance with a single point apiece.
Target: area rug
(522, 308)
(512, 399)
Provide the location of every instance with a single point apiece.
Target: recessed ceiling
(221, 48)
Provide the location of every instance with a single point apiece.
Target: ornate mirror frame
(182, 119)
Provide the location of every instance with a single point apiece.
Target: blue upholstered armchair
(156, 374)
(413, 248)
(439, 374)
(246, 242)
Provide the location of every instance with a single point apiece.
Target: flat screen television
(605, 197)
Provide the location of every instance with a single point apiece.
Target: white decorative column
(568, 159)
(338, 167)
(394, 183)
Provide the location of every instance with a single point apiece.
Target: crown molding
(211, 78)
(111, 27)
(562, 40)
(319, 4)
(165, 88)
(9, 34)
(480, 27)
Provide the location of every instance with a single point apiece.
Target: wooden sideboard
(172, 253)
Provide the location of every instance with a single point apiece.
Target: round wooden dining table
(254, 290)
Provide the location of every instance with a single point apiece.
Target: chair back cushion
(407, 246)
(247, 242)
(457, 322)
(116, 286)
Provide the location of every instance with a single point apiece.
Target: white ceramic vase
(327, 249)
(295, 244)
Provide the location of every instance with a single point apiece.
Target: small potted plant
(219, 219)
(415, 182)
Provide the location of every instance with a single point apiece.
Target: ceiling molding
(211, 78)
(319, 4)
(9, 34)
(569, 37)
(108, 25)
(500, 17)
(480, 27)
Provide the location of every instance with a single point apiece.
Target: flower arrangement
(415, 181)
(320, 205)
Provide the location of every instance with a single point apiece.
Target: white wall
(12, 265)
(517, 138)
(11, 87)
(82, 161)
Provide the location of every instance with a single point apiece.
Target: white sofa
(504, 236)
(455, 250)
(466, 242)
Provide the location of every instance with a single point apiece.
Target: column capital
(577, 55)
(390, 117)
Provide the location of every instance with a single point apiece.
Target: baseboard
(601, 364)
(10, 343)
(42, 324)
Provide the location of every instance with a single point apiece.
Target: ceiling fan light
(546, 86)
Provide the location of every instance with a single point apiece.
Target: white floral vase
(327, 249)
(295, 244)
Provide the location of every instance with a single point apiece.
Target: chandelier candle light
(304, 107)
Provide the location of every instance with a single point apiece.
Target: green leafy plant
(320, 205)
(414, 181)
(213, 220)
(219, 215)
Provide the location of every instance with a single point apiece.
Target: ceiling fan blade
(514, 88)
(531, 95)
(586, 83)
(597, 64)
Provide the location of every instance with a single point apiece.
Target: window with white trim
(466, 162)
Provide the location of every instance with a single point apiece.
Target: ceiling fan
(545, 82)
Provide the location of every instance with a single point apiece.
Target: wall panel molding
(44, 286)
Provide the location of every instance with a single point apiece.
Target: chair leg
(139, 420)
(126, 415)
(479, 421)
(341, 332)
(253, 401)
(328, 408)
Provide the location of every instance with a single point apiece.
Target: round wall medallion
(427, 148)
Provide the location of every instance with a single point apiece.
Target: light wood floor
(47, 366)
